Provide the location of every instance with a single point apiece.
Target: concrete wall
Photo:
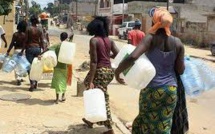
(211, 24)
(84, 8)
(190, 23)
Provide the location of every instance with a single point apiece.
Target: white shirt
(1, 33)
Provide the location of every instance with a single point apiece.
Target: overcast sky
(43, 3)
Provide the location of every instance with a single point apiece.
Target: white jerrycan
(67, 52)
(49, 58)
(123, 53)
(95, 105)
(36, 70)
(138, 75)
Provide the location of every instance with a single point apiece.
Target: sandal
(63, 100)
(88, 123)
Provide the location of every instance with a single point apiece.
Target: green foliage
(55, 10)
(35, 8)
(5, 7)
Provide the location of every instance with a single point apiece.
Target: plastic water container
(140, 74)
(10, 64)
(20, 71)
(67, 52)
(23, 63)
(49, 58)
(207, 74)
(2, 57)
(36, 69)
(191, 78)
(95, 105)
(123, 53)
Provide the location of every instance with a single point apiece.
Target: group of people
(160, 107)
(32, 41)
(162, 104)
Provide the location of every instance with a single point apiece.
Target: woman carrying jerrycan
(101, 73)
(17, 42)
(157, 101)
(62, 72)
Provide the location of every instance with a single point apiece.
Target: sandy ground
(39, 115)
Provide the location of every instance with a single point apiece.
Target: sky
(42, 3)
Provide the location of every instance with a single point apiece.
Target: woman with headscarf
(158, 100)
(101, 73)
(33, 45)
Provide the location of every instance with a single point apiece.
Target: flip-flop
(88, 123)
(63, 100)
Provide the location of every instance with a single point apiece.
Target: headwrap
(161, 19)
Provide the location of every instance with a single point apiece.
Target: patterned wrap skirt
(180, 123)
(59, 80)
(102, 78)
(156, 108)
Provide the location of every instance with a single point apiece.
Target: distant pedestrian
(46, 42)
(33, 45)
(18, 41)
(2, 34)
(158, 100)
(101, 73)
(135, 36)
(62, 72)
(71, 34)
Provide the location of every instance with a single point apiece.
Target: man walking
(2, 34)
(136, 35)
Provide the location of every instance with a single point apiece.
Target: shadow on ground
(35, 101)
(79, 129)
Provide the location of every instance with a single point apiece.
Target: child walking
(62, 73)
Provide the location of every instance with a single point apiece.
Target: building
(190, 23)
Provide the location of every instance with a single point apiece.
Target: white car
(124, 28)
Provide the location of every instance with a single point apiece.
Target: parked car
(124, 28)
(213, 49)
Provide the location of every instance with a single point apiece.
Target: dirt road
(38, 115)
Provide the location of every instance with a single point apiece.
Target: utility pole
(76, 10)
(123, 16)
(27, 9)
(167, 5)
(96, 6)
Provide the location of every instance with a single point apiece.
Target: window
(123, 25)
(131, 24)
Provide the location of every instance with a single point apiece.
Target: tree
(35, 8)
(5, 8)
(49, 8)
(56, 10)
